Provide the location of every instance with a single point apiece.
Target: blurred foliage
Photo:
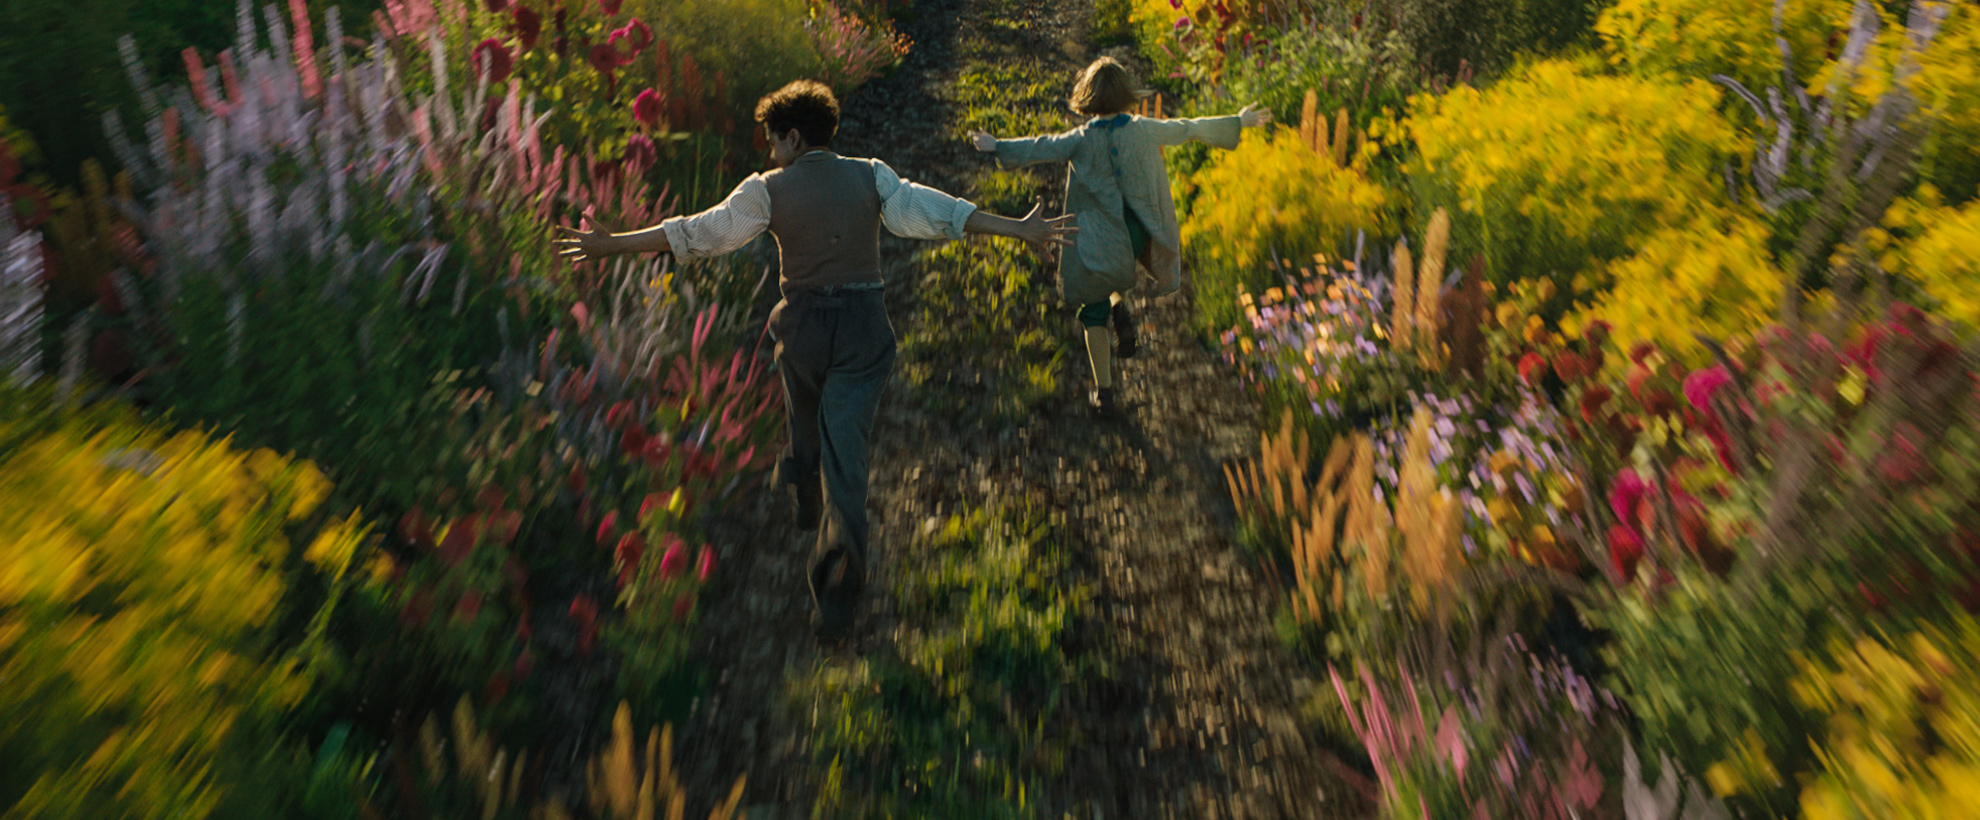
(142, 608)
(1004, 364)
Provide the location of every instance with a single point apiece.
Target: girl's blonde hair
(1105, 87)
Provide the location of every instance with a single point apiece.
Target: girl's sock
(1100, 351)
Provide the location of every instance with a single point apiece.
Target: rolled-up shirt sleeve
(724, 228)
(915, 211)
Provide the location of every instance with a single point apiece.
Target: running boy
(835, 347)
(1119, 189)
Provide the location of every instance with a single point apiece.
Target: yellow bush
(1696, 38)
(1903, 733)
(138, 572)
(1574, 152)
(1942, 256)
(1276, 193)
(1712, 277)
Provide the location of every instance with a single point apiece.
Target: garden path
(1200, 717)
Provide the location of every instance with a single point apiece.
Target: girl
(1119, 190)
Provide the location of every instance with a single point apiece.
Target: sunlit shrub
(138, 598)
(1271, 197)
(1557, 170)
(1712, 277)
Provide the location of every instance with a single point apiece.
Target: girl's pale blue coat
(1112, 167)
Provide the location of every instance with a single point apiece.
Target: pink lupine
(705, 565)
(305, 48)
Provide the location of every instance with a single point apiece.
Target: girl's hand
(582, 245)
(983, 141)
(1252, 116)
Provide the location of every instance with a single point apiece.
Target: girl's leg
(1100, 353)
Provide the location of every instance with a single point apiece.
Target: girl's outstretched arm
(1219, 132)
(1018, 153)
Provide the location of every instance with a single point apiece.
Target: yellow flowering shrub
(1696, 38)
(1712, 277)
(1942, 254)
(1903, 728)
(138, 573)
(1270, 195)
(1559, 168)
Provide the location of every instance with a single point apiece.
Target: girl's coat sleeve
(1034, 150)
(1217, 132)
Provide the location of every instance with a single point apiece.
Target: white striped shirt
(909, 210)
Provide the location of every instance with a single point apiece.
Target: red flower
(1569, 365)
(1593, 400)
(617, 411)
(416, 528)
(1902, 461)
(604, 58)
(523, 631)
(525, 662)
(1596, 333)
(577, 479)
(631, 547)
(498, 687)
(527, 25)
(633, 440)
(640, 153)
(1530, 368)
(673, 563)
(468, 606)
(1641, 351)
(682, 606)
(1660, 402)
(459, 542)
(705, 565)
(1870, 596)
(1627, 490)
(1702, 385)
(610, 7)
(497, 59)
(647, 107)
(647, 505)
(490, 498)
(1625, 549)
(607, 525)
(584, 612)
(496, 6)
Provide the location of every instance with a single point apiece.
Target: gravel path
(1200, 715)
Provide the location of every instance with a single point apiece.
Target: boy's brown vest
(825, 213)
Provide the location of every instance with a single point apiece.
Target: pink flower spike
(202, 88)
(305, 48)
(705, 565)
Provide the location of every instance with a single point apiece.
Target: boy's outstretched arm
(1038, 232)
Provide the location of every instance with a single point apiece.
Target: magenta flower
(610, 7)
(1624, 495)
(607, 525)
(673, 563)
(1702, 385)
(495, 56)
(647, 107)
(497, 6)
(636, 34)
(705, 565)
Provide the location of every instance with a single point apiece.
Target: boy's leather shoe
(1126, 340)
(1104, 403)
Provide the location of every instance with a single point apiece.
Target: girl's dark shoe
(808, 497)
(1104, 404)
(1126, 340)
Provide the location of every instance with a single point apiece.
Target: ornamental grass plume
(1427, 516)
(1315, 543)
(1429, 287)
(623, 789)
(1341, 138)
(1312, 128)
(1403, 311)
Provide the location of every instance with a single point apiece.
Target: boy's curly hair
(806, 105)
(1104, 88)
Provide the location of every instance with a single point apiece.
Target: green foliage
(968, 718)
(1012, 99)
(1486, 36)
(983, 342)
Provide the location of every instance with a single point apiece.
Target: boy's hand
(983, 141)
(581, 245)
(1252, 116)
(1041, 233)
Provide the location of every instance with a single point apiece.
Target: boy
(835, 347)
